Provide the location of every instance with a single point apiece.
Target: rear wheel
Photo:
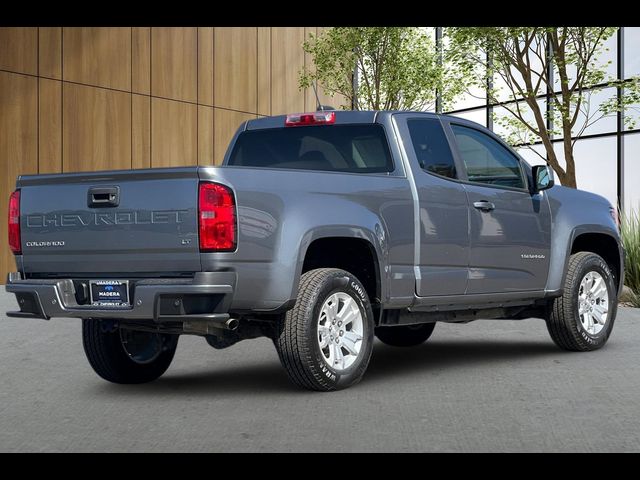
(582, 318)
(325, 341)
(405, 335)
(127, 356)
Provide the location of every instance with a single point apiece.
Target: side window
(431, 147)
(486, 160)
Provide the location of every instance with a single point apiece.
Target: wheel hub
(593, 302)
(340, 331)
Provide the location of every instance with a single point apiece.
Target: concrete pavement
(486, 386)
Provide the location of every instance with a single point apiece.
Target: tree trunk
(564, 177)
(566, 180)
(570, 169)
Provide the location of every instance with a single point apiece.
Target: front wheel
(127, 356)
(325, 341)
(582, 318)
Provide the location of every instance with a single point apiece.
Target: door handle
(484, 205)
(103, 197)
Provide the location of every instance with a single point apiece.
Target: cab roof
(343, 117)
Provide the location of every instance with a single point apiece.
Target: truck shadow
(443, 356)
(259, 378)
(435, 357)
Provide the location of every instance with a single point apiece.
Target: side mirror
(542, 177)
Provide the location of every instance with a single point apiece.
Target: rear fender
(375, 236)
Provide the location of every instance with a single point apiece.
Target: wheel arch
(355, 250)
(602, 243)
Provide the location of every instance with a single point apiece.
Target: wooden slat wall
(82, 99)
(50, 126)
(174, 63)
(264, 71)
(174, 134)
(97, 56)
(205, 65)
(285, 68)
(50, 52)
(96, 131)
(18, 145)
(19, 50)
(141, 60)
(235, 69)
(205, 135)
(140, 131)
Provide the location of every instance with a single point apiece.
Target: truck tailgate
(124, 222)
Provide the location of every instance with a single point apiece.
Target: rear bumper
(207, 296)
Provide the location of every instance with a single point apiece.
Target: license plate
(109, 293)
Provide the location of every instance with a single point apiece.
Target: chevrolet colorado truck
(319, 231)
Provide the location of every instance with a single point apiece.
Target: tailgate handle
(103, 197)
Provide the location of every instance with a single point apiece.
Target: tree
(397, 68)
(531, 61)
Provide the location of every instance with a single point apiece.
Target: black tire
(564, 323)
(297, 332)
(405, 335)
(110, 360)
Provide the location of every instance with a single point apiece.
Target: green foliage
(526, 62)
(397, 67)
(630, 233)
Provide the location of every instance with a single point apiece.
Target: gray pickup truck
(319, 231)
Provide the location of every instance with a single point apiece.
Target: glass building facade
(607, 154)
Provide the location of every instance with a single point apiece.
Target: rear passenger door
(510, 227)
(441, 224)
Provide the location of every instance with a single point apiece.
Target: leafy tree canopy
(397, 68)
(529, 62)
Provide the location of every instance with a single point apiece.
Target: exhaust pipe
(232, 323)
(209, 326)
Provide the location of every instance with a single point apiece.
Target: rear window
(338, 148)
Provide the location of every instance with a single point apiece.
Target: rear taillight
(217, 218)
(313, 118)
(14, 223)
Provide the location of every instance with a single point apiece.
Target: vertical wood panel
(264, 70)
(174, 63)
(173, 133)
(19, 49)
(98, 56)
(50, 52)
(310, 102)
(96, 129)
(287, 60)
(205, 65)
(50, 126)
(140, 131)
(205, 135)
(225, 124)
(141, 60)
(18, 146)
(235, 80)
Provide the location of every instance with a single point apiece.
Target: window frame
(456, 162)
(487, 133)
